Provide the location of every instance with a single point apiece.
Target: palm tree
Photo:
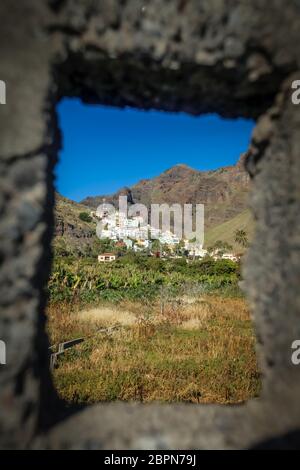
(241, 238)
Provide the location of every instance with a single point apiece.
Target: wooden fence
(60, 348)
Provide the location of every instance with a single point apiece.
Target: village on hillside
(132, 233)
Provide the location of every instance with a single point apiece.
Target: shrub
(225, 266)
(85, 217)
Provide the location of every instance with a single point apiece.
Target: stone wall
(234, 57)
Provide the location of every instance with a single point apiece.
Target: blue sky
(107, 148)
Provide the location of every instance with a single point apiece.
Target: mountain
(224, 191)
(71, 234)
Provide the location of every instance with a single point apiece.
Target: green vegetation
(136, 276)
(241, 238)
(185, 333)
(85, 217)
(220, 246)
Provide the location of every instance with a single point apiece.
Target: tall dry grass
(192, 351)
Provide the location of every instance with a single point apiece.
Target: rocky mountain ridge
(224, 191)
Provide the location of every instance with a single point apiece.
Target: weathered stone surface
(223, 56)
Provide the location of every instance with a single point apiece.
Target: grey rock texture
(234, 57)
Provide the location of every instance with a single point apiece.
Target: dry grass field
(198, 350)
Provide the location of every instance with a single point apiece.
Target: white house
(218, 254)
(195, 250)
(128, 243)
(144, 243)
(230, 256)
(106, 257)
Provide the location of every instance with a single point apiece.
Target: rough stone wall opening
(236, 58)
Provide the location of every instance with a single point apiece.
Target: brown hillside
(224, 191)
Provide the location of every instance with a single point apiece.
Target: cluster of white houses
(132, 233)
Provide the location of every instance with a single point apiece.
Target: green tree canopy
(241, 238)
(85, 217)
